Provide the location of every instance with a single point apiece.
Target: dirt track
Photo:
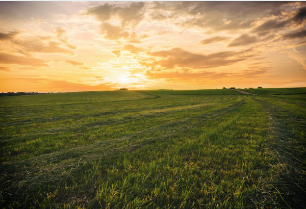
(243, 92)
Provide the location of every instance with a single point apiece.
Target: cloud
(113, 32)
(85, 68)
(4, 69)
(60, 33)
(102, 12)
(8, 36)
(255, 72)
(243, 40)
(270, 26)
(131, 48)
(216, 15)
(160, 16)
(275, 24)
(183, 76)
(134, 41)
(117, 53)
(74, 62)
(213, 40)
(73, 86)
(177, 57)
(132, 14)
(40, 44)
(295, 34)
(300, 16)
(128, 15)
(134, 38)
(203, 75)
(22, 10)
(12, 59)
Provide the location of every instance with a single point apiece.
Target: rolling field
(154, 149)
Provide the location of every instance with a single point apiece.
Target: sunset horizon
(105, 46)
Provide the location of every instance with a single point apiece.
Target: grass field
(154, 149)
(277, 91)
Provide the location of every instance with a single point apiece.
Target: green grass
(153, 149)
(277, 91)
(195, 92)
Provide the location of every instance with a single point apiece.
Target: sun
(124, 79)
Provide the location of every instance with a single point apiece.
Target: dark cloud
(113, 32)
(274, 25)
(295, 34)
(270, 26)
(74, 62)
(177, 57)
(12, 59)
(25, 10)
(243, 40)
(300, 16)
(213, 40)
(8, 36)
(217, 15)
(132, 14)
(102, 12)
(128, 15)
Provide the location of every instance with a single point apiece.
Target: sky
(101, 46)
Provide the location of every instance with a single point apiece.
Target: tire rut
(289, 179)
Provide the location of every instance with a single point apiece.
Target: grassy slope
(152, 149)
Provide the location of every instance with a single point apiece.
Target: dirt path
(243, 92)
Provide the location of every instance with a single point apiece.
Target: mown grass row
(217, 164)
(70, 98)
(101, 128)
(35, 165)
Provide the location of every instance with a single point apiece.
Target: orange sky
(92, 46)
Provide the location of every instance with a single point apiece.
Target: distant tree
(224, 88)
(232, 88)
(259, 87)
(123, 89)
